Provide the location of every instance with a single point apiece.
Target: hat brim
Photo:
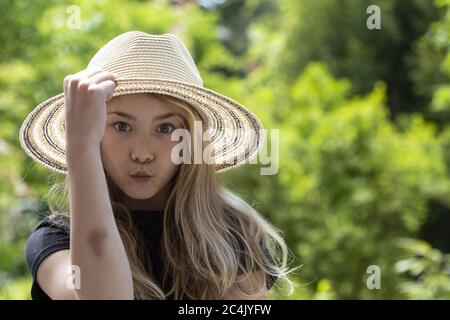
(42, 132)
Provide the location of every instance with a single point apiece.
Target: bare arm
(53, 276)
(96, 246)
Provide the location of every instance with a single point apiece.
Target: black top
(48, 238)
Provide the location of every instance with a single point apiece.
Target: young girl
(135, 223)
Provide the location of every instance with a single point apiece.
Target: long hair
(211, 237)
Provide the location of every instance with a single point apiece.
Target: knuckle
(69, 81)
(91, 89)
(73, 82)
(83, 84)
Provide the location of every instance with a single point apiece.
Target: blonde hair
(209, 235)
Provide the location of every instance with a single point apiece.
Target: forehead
(141, 103)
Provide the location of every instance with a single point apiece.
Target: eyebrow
(132, 117)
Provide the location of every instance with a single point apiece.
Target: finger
(107, 87)
(103, 76)
(87, 73)
(80, 76)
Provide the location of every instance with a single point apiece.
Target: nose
(141, 151)
(142, 158)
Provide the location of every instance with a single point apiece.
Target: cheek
(107, 148)
(165, 150)
(111, 153)
(169, 170)
(165, 161)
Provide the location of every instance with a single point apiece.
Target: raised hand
(85, 96)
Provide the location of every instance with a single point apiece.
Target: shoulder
(48, 236)
(48, 230)
(55, 221)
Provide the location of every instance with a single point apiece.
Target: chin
(140, 194)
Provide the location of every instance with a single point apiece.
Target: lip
(141, 178)
(140, 174)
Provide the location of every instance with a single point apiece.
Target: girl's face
(137, 138)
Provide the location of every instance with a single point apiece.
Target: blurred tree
(425, 269)
(436, 85)
(431, 73)
(349, 183)
(344, 43)
(354, 182)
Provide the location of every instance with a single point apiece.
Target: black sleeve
(45, 239)
(270, 279)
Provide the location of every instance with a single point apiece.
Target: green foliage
(19, 289)
(425, 269)
(351, 181)
(354, 182)
(350, 49)
(433, 80)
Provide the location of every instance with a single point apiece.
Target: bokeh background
(364, 120)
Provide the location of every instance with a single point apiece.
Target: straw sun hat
(148, 63)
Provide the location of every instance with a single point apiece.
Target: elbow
(96, 240)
